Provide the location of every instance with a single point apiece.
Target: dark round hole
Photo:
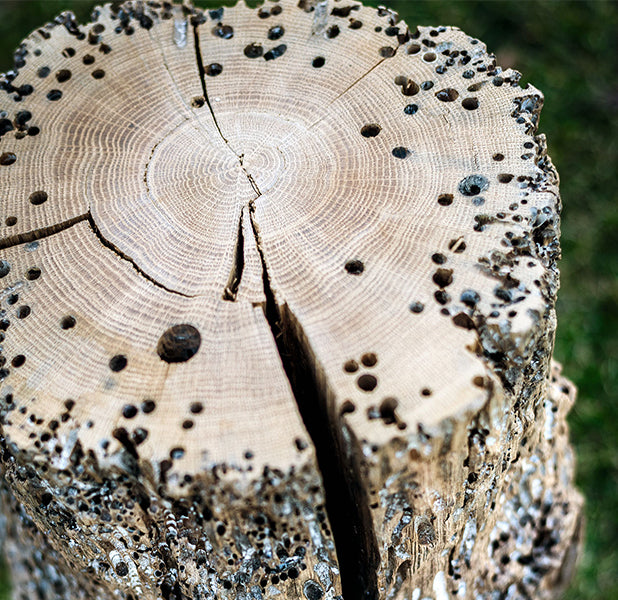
(129, 411)
(23, 311)
(187, 424)
(447, 95)
(473, 185)
(214, 69)
(33, 273)
(37, 198)
(7, 158)
(18, 361)
(411, 109)
(223, 31)
(332, 31)
(401, 152)
(67, 322)
(253, 51)
(445, 199)
(470, 103)
(179, 343)
(438, 258)
(498, 157)
(5, 268)
(370, 359)
(505, 177)
(54, 95)
(276, 32)
(98, 73)
(426, 392)
(88, 59)
(443, 277)
(63, 75)
(148, 406)
(196, 408)
(10, 221)
(354, 267)
(387, 52)
(318, 62)
(367, 382)
(371, 130)
(414, 49)
(429, 56)
(417, 307)
(118, 363)
(351, 366)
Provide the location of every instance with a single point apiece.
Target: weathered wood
(278, 312)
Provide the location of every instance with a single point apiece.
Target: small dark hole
(371, 130)
(411, 109)
(367, 382)
(429, 57)
(443, 277)
(387, 52)
(98, 73)
(196, 408)
(214, 69)
(148, 406)
(351, 366)
(23, 311)
(354, 267)
(88, 59)
(369, 359)
(445, 199)
(54, 95)
(68, 322)
(187, 424)
(473, 185)
(37, 198)
(63, 75)
(333, 31)
(274, 33)
(400, 152)
(118, 363)
(447, 95)
(7, 158)
(18, 361)
(318, 62)
(10, 221)
(417, 307)
(470, 103)
(505, 177)
(129, 411)
(254, 51)
(33, 273)
(498, 157)
(438, 258)
(426, 392)
(347, 407)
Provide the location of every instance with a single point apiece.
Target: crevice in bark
(231, 289)
(105, 242)
(337, 451)
(37, 234)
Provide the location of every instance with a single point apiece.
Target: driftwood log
(278, 293)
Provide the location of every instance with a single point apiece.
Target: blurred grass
(569, 50)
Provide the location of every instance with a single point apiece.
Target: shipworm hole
(443, 277)
(367, 382)
(37, 198)
(447, 95)
(470, 103)
(213, 69)
(68, 322)
(350, 366)
(354, 267)
(129, 411)
(23, 311)
(318, 62)
(179, 343)
(417, 307)
(118, 363)
(371, 130)
(253, 51)
(473, 185)
(63, 75)
(401, 152)
(18, 360)
(7, 158)
(10, 221)
(196, 408)
(505, 177)
(370, 359)
(33, 273)
(411, 109)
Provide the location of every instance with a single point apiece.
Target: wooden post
(278, 312)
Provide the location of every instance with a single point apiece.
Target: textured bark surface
(278, 312)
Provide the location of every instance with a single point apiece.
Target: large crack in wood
(38, 234)
(337, 451)
(105, 242)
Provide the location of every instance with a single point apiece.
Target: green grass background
(569, 50)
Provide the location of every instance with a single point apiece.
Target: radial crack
(233, 283)
(202, 72)
(122, 255)
(37, 234)
(337, 450)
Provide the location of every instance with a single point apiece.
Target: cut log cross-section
(278, 291)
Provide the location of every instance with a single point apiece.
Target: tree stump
(278, 312)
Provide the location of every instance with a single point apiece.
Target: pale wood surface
(356, 226)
